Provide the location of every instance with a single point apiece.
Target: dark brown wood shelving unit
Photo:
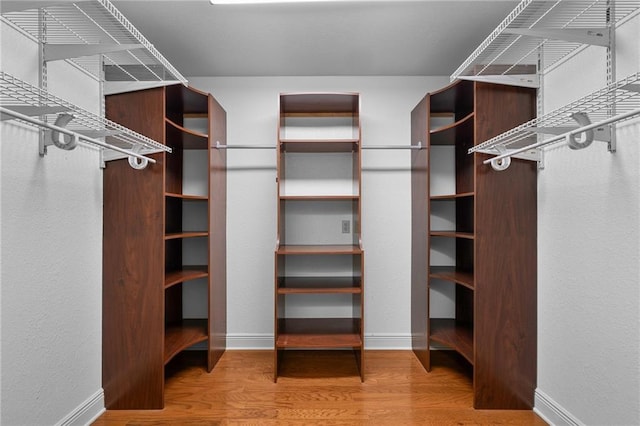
(488, 221)
(164, 233)
(319, 140)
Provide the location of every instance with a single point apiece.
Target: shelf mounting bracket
(115, 87)
(56, 52)
(32, 111)
(521, 80)
(592, 36)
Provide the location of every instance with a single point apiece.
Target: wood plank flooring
(318, 388)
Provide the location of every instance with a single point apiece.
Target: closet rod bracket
(500, 164)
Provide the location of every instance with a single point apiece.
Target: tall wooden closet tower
(473, 266)
(319, 260)
(164, 268)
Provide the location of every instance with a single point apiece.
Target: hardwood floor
(318, 388)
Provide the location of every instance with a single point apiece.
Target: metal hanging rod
(218, 145)
(418, 146)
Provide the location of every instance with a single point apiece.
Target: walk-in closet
(319, 212)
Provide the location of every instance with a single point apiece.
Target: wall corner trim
(552, 412)
(85, 413)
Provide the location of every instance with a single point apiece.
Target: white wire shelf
(578, 123)
(539, 33)
(25, 102)
(95, 36)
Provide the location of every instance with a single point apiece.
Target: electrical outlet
(346, 227)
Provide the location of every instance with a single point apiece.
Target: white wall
(252, 118)
(51, 258)
(589, 259)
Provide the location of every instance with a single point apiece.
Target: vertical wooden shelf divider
(485, 224)
(319, 259)
(164, 235)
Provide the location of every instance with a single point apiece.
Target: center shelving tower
(319, 260)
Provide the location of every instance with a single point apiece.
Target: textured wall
(589, 256)
(51, 251)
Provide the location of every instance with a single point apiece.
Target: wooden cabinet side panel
(419, 234)
(141, 111)
(217, 234)
(133, 273)
(505, 259)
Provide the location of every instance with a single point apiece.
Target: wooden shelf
(319, 285)
(318, 249)
(186, 101)
(174, 236)
(456, 98)
(319, 103)
(186, 274)
(319, 145)
(449, 273)
(453, 234)
(319, 197)
(317, 333)
(320, 194)
(456, 337)
(186, 197)
(451, 196)
(448, 135)
(180, 336)
(181, 137)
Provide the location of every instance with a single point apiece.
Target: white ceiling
(420, 37)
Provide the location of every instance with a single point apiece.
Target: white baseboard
(395, 341)
(86, 412)
(265, 341)
(552, 412)
(246, 341)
